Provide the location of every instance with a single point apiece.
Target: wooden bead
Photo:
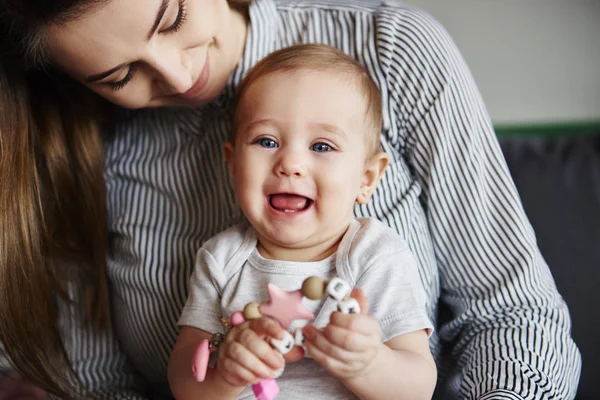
(313, 287)
(251, 311)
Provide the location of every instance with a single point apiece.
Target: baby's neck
(317, 252)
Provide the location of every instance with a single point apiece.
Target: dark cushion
(558, 180)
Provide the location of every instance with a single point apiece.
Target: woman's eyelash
(179, 20)
(120, 84)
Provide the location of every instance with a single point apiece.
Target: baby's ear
(374, 169)
(229, 153)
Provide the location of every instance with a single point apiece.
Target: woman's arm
(510, 326)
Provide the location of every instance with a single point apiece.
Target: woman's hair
(53, 233)
(52, 198)
(318, 57)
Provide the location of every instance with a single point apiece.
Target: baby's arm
(349, 348)
(244, 358)
(181, 379)
(402, 369)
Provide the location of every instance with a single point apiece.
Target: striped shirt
(502, 329)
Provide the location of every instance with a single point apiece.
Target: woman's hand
(13, 387)
(347, 346)
(245, 356)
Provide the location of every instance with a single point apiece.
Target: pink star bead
(285, 306)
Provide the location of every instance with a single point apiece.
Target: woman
(503, 331)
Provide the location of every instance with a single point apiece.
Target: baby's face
(298, 162)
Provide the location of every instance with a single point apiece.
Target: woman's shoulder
(381, 10)
(386, 34)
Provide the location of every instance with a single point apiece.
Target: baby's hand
(245, 356)
(347, 346)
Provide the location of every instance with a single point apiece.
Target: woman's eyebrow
(102, 75)
(159, 16)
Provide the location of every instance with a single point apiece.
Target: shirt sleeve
(202, 309)
(396, 298)
(510, 326)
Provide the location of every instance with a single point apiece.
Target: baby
(304, 149)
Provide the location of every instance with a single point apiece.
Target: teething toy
(285, 307)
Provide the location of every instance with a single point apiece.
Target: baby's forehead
(336, 94)
(348, 84)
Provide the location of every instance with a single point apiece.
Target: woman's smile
(200, 83)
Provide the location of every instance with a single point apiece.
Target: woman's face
(148, 53)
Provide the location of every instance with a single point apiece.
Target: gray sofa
(558, 179)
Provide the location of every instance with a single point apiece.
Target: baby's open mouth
(289, 203)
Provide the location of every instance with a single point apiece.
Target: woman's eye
(268, 143)
(321, 147)
(121, 84)
(179, 19)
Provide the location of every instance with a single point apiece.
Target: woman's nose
(174, 74)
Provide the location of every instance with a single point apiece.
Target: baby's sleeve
(396, 297)
(202, 309)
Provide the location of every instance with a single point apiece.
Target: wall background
(536, 62)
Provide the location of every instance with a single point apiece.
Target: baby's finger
(242, 362)
(295, 354)
(317, 340)
(363, 324)
(324, 359)
(267, 327)
(363, 302)
(234, 373)
(261, 349)
(347, 339)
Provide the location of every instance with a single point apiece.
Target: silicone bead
(284, 345)
(313, 287)
(348, 305)
(251, 311)
(237, 318)
(200, 361)
(338, 288)
(266, 389)
(299, 337)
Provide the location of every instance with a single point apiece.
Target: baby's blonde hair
(319, 57)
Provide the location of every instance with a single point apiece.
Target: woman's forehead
(102, 37)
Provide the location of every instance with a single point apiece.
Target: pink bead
(266, 389)
(200, 361)
(237, 318)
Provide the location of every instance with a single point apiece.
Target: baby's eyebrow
(259, 122)
(330, 128)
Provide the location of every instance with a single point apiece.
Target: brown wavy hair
(53, 233)
(52, 198)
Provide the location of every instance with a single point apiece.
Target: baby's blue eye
(321, 147)
(268, 143)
